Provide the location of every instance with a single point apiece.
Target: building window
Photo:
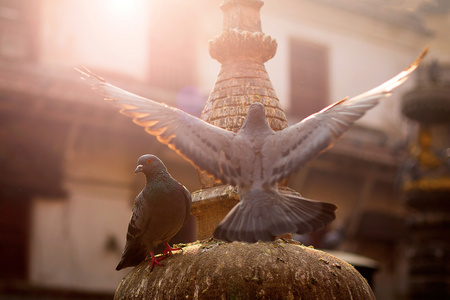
(308, 77)
(172, 48)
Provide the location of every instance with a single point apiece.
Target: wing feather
(291, 148)
(195, 140)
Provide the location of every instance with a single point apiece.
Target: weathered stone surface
(264, 270)
(210, 206)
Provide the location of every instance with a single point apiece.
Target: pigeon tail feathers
(263, 215)
(132, 256)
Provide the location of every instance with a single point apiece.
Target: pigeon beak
(138, 169)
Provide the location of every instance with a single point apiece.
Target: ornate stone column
(242, 49)
(426, 186)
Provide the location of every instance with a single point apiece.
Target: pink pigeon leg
(155, 261)
(169, 249)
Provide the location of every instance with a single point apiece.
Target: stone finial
(242, 15)
(242, 37)
(242, 49)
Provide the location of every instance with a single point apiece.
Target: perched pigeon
(160, 210)
(255, 158)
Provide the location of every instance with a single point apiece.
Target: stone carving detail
(236, 44)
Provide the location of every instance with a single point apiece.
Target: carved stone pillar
(426, 186)
(242, 49)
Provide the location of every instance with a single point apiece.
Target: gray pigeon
(160, 210)
(255, 158)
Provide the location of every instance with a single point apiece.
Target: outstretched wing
(287, 150)
(202, 144)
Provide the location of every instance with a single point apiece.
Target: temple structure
(426, 184)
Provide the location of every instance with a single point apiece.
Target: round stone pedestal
(264, 270)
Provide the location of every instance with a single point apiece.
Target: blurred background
(67, 158)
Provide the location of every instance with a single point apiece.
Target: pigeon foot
(155, 261)
(168, 250)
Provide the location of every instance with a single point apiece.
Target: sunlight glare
(124, 7)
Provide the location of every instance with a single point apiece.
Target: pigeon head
(149, 164)
(256, 118)
(256, 109)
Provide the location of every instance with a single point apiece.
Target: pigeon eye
(149, 160)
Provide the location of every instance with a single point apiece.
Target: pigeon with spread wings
(255, 158)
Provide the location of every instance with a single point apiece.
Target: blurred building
(67, 183)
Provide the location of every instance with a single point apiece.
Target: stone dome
(265, 270)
